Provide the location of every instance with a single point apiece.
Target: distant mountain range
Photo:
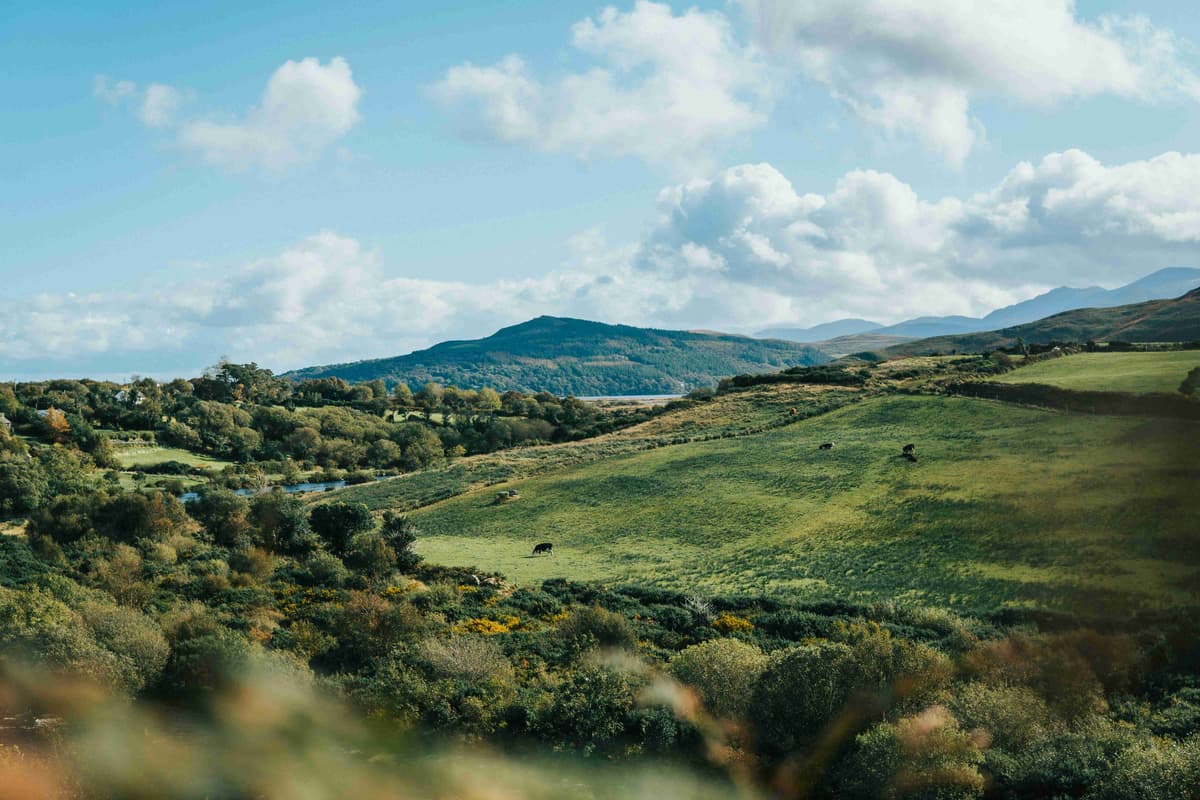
(1163, 284)
(1174, 320)
(573, 356)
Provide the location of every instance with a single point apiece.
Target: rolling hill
(1176, 320)
(572, 356)
(1006, 505)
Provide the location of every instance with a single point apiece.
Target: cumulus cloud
(305, 107)
(913, 68)
(160, 104)
(661, 87)
(738, 251)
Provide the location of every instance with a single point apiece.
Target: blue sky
(319, 182)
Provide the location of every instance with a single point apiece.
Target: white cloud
(160, 104)
(110, 91)
(305, 107)
(661, 87)
(913, 68)
(742, 250)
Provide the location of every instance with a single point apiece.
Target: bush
(723, 672)
(590, 709)
(138, 642)
(370, 555)
(594, 626)
(323, 569)
(801, 690)
(924, 756)
(1158, 770)
(468, 658)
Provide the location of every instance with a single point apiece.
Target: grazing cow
(909, 457)
(792, 411)
(544, 547)
(909, 448)
(826, 446)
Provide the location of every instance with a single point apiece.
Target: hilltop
(579, 357)
(1176, 320)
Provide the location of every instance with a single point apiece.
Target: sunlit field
(1005, 505)
(1111, 372)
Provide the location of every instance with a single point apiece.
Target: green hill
(1006, 505)
(1137, 372)
(1176, 320)
(572, 356)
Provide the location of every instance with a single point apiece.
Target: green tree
(370, 555)
(338, 523)
(223, 513)
(1191, 383)
(281, 523)
(400, 533)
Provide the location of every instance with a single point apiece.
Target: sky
(301, 183)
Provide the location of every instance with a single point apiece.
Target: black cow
(909, 448)
(909, 457)
(544, 547)
(826, 446)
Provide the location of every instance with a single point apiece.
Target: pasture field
(1135, 372)
(1005, 506)
(140, 454)
(737, 413)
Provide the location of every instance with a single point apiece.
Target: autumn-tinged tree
(57, 428)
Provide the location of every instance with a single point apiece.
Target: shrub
(467, 658)
(723, 672)
(121, 576)
(590, 709)
(592, 625)
(370, 555)
(801, 690)
(1157, 770)
(731, 623)
(924, 756)
(137, 641)
(323, 569)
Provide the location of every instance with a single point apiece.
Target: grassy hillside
(1006, 505)
(1111, 372)
(736, 413)
(1175, 320)
(571, 356)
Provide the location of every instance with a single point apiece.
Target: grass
(140, 454)
(1006, 505)
(737, 413)
(1135, 372)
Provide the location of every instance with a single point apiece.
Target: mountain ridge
(1171, 320)
(1165, 283)
(565, 355)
